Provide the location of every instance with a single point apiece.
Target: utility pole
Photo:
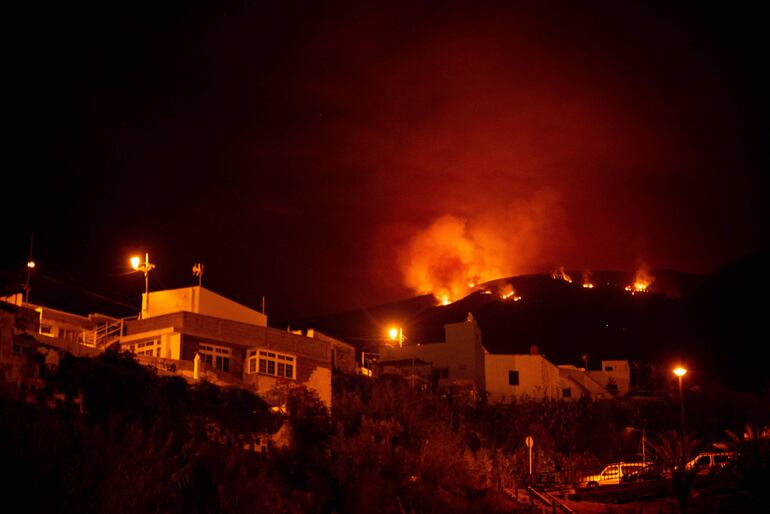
(30, 265)
(136, 263)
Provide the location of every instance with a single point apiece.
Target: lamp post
(136, 263)
(680, 372)
(397, 334)
(30, 265)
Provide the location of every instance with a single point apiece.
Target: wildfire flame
(508, 292)
(587, 282)
(560, 274)
(454, 256)
(642, 281)
(449, 261)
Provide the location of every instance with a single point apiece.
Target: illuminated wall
(201, 301)
(537, 378)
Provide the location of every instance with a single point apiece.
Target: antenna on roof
(197, 270)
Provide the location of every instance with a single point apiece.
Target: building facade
(462, 359)
(457, 360)
(232, 344)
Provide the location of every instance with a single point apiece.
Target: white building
(234, 344)
(462, 359)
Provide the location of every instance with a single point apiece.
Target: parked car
(653, 471)
(711, 462)
(612, 474)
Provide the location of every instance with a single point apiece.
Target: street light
(30, 266)
(137, 265)
(396, 334)
(680, 372)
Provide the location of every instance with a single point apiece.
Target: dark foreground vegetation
(144, 443)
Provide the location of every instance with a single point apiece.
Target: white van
(710, 462)
(612, 474)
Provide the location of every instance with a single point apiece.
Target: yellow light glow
(135, 261)
(393, 333)
(680, 372)
(31, 264)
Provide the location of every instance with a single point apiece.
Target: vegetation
(145, 443)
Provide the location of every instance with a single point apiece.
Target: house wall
(201, 301)
(312, 362)
(462, 354)
(580, 383)
(19, 370)
(576, 391)
(344, 353)
(620, 374)
(538, 378)
(191, 346)
(186, 331)
(169, 337)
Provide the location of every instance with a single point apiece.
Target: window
(608, 368)
(46, 330)
(566, 393)
(149, 348)
(513, 378)
(216, 356)
(268, 362)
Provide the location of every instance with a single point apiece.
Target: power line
(86, 291)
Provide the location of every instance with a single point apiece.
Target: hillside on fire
(713, 321)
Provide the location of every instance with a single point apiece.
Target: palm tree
(753, 451)
(673, 451)
(752, 434)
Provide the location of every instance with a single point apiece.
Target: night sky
(300, 151)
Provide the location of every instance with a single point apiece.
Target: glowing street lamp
(30, 266)
(680, 372)
(396, 334)
(145, 267)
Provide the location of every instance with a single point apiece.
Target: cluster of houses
(197, 334)
(462, 360)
